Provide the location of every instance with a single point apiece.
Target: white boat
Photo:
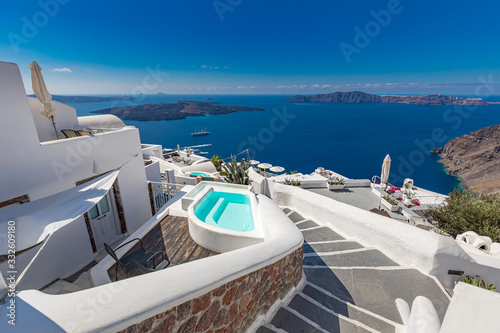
(202, 132)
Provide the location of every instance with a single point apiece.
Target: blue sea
(351, 139)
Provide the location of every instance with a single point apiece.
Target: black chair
(162, 265)
(128, 263)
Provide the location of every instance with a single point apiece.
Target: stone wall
(232, 307)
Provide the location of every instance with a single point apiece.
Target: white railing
(161, 193)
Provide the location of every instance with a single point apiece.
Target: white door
(102, 221)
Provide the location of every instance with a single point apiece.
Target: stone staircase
(349, 288)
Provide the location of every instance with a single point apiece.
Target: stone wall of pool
(232, 307)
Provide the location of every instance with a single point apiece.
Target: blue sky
(254, 46)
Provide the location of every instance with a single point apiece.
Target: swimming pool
(203, 174)
(232, 211)
(223, 217)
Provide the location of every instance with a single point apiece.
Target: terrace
(170, 236)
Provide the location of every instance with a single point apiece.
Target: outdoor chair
(128, 263)
(162, 265)
(83, 133)
(69, 133)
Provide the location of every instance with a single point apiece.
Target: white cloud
(64, 69)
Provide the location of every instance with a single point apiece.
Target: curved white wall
(115, 306)
(65, 118)
(407, 245)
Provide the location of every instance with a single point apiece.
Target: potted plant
(406, 188)
(336, 183)
(291, 182)
(390, 203)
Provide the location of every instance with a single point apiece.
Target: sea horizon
(343, 144)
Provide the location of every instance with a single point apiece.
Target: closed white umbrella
(386, 168)
(41, 92)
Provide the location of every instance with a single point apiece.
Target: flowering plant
(392, 189)
(414, 202)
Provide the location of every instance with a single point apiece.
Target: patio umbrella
(386, 168)
(264, 166)
(40, 90)
(277, 169)
(254, 162)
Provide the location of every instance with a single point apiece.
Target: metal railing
(161, 193)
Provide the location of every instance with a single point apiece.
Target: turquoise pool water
(231, 211)
(196, 174)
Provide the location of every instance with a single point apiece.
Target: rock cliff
(361, 97)
(475, 158)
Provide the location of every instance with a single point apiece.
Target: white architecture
(35, 164)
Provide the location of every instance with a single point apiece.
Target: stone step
(321, 234)
(84, 281)
(289, 322)
(376, 290)
(331, 247)
(61, 287)
(295, 217)
(348, 310)
(263, 329)
(307, 224)
(364, 258)
(327, 320)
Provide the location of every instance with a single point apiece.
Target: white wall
(41, 169)
(66, 252)
(114, 306)
(472, 309)
(410, 246)
(65, 118)
(153, 172)
(154, 150)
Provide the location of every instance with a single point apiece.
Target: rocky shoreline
(362, 97)
(475, 159)
(172, 111)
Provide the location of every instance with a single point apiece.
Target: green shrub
(465, 211)
(291, 182)
(336, 181)
(479, 282)
(237, 173)
(390, 200)
(217, 161)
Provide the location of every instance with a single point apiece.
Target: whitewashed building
(35, 164)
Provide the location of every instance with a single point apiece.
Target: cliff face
(475, 158)
(361, 97)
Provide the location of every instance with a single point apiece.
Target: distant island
(88, 99)
(361, 97)
(173, 111)
(474, 158)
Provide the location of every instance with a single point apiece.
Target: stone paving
(349, 288)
